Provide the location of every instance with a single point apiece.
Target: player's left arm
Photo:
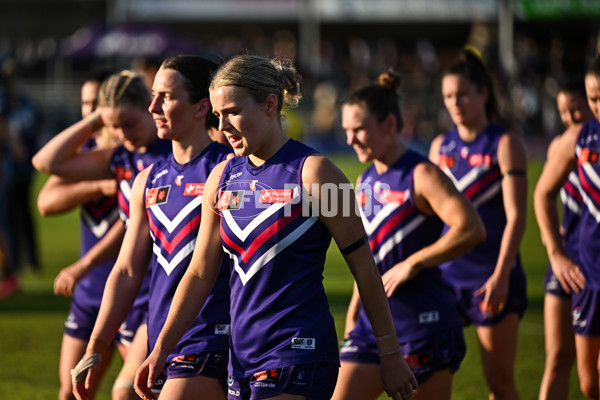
(512, 161)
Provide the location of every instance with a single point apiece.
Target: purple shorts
(208, 364)
(314, 381)
(585, 312)
(425, 356)
(469, 305)
(81, 320)
(553, 286)
(137, 316)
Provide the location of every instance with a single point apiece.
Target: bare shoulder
(434, 148)
(318, 169)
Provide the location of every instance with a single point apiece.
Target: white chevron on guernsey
(566, 199)
(468, 178)
(395, 240)
(268, 255)
(588, 201)
(169, 224)
(99, 229)
(385, 212)
(242, 234)
(125, 189)
(167, 265)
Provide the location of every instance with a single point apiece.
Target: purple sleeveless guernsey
(587, 154)
(572, 203)
(174, 204)
(279, 311)
(397, 229)
(96, 218)
(473, 167)
(125, 165)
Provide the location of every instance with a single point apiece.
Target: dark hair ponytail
(471, 66)
(381, 99)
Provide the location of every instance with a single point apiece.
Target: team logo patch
(447, 161)
(158, 195)
(231, 199)
(589, 156)
(222, 329)
(430, 317)
(193, 189)
(276, 196)
(303, 343)
(273, 375)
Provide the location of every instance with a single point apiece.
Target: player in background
(123, 109)
(165, 214)
(405, 201)
(283, 343)
(572, 105)
(488, 164)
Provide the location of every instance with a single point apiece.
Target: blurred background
(47, 47)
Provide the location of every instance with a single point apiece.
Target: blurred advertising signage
(324, 10)
(558, 9)
(212, 9)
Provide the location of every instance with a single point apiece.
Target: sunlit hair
(594, 68)
(471, 66)
(261, 77)
(381, 98)
(125, 87)
(196, 72)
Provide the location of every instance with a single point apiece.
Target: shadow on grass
(34, 302)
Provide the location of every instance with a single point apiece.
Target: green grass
(31, 322)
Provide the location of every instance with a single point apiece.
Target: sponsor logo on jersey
(123, 173)
(392, 196)
(276, 196)
(231, 199)
(222, 329)
(430, 317)
(158, 195)
(303, 343)
(476, 160)
(140, 165)
(230, 380)
(273, 375)
(253, 184)
(193, 189)
(185, 358)
(178, 180)
(589, 156)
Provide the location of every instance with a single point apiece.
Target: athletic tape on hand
(79, 373)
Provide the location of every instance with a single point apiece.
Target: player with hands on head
(563, 276)
(165, 214)
(283, 343)
(123, 110)
(488, 164)
(404, 200)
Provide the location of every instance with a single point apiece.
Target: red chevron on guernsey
(589, 189)
(264, 235)
(480, 184)
(169, 246)
(389, 226)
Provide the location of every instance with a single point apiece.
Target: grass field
(31, 322)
